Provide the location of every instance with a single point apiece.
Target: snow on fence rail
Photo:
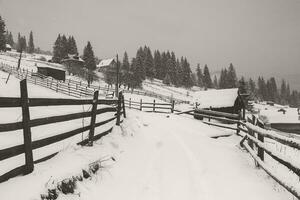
(26, 124)
(255, 134)
(153, 106)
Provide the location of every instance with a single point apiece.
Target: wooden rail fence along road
(108, 106)
(150, 106)
(254, 135)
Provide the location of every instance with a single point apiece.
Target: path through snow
(173, 158)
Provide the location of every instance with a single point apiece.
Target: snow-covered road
(174, 158)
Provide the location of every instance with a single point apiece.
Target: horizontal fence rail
(254, 135)
(150, 106)
(111, 106)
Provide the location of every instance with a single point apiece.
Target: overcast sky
(260, 37)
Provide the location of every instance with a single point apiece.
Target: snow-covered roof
(216, 98)
(7, 46)
(73, 57)
(105, 62)
(61, 68)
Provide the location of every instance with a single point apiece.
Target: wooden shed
(222, 100)
(55, 72)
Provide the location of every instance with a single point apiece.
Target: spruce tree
(64, 47)
(243, 88)
(231, 77)
(125, 71)
(186, 73)
(2, 35)
(149, 64)
(30, 43)
(136, 72)
(199, 76)
(157, 64)
(88, 57)
(90, 61)
(215, 83)
(57, 55)
(11, 39)
(139, 64)
(206, 78)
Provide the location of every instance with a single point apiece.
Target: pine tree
(149, 64)
(262, 88)
(2, 35)
(186, 73)
(179, 72)
(243, 88)
(139, 64)
(157, 64)
(163, 70)
(206, 78)
(125, 71)
(88, 57)
(30, 43)
(215, 83)
(57, 54)
(167, 80)
(231, 77)
(90, 61)
(10, 40)
(136, 73)
(64, 47)
(199, 76)
(71, 46)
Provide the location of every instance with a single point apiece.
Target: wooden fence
(115, 106)
(254, 134)
(254, 142)
(155, 95)
(78, 88)
(69, 87)
(150, 106)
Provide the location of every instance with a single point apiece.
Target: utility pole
(117, 83)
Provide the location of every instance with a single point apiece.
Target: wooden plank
(96, 137)
(58, 102)
(53, 139)
(11, 151)
(219, 125)
(123, 105)
(10, 102)
(217, 118)
(217, 114)
(93, 117)
(119, 109)
(26, 127)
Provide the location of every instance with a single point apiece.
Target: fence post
(141, 105)
(250, 143)
(153, 105)
(93, 117)
(260, 151)
(123, 104)
(119, 109)
(172, 106)
(130, 103)
(57, 86)
(26, 128)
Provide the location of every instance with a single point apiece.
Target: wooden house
(106, 64)
(222, 100)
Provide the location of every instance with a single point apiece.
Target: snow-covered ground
(272, 114)
(158, 156)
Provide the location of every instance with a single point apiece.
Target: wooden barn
(222, 100)
(53, 71)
